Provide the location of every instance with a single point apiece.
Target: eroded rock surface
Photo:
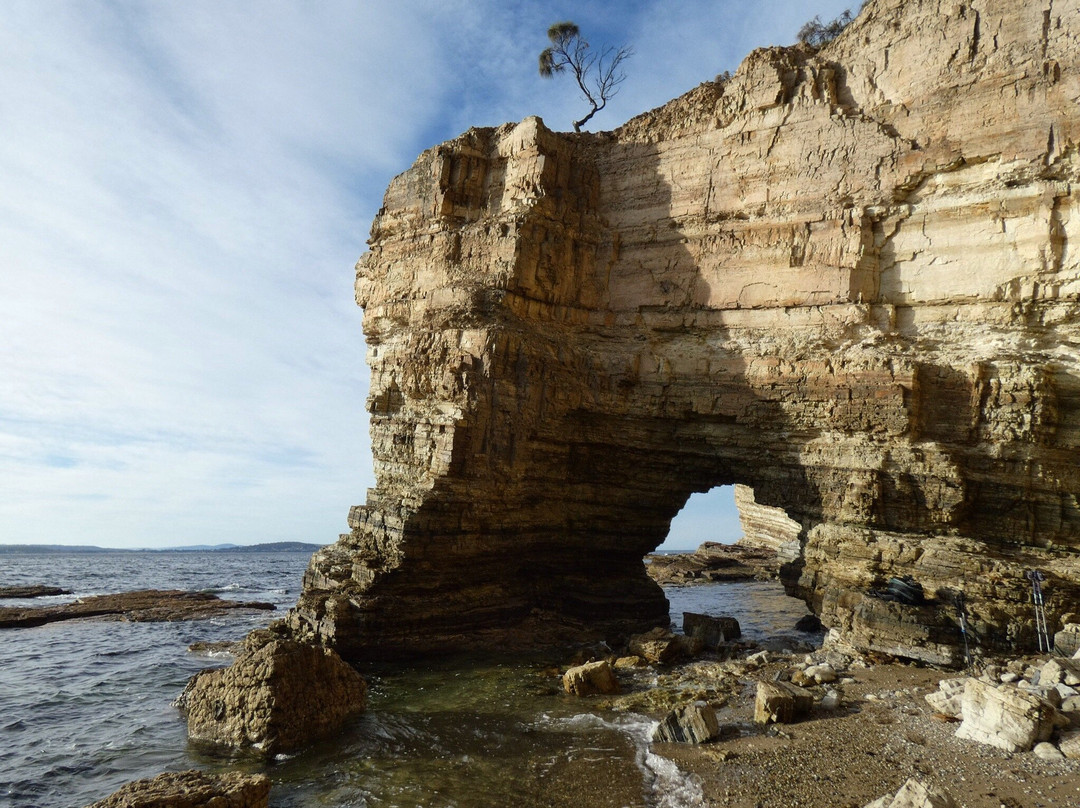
(713, 562)
(192, 789)
(847, 280)
(277, 696)
(140, 606)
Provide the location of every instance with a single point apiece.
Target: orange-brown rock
(192, 789)
(276, 697)
(848, 280)
(139, 606)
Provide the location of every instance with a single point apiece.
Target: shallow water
(87, 706)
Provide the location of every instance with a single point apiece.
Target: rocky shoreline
(855, 727)
(14, 592)
(146, 605)
(714, 562)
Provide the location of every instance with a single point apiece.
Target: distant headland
(269, 547)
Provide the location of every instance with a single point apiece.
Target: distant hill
(269, 547)
(52, 548)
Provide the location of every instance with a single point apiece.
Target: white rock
(914, 794)
(948, 697)
(1009, 677)
(1047, 751)
(1004, 717)
(821, 674)
(1066, 691)
(760, 658)
(830, 701)
(1069, 744)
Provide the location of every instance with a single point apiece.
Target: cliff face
(845, 280)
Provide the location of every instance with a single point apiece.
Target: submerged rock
(278, 696)
(192, 789)
(142, 606)
(10, 592)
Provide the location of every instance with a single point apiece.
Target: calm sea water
(87, 706)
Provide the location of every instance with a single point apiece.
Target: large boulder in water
(278, 696)
(192, 789)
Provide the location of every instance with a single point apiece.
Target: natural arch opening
(709, 516)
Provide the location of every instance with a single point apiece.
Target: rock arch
(843, 279)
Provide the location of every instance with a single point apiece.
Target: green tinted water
(467, 733)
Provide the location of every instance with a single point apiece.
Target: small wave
(667, 785)
(234, 587)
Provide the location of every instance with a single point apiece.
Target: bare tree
(817, 34)
(598, 76)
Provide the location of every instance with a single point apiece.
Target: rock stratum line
(848, 280)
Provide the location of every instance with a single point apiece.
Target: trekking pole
(1036, 577)
(963, 627)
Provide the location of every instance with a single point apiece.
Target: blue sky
(186, 188)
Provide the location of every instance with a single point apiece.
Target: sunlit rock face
(847, 280)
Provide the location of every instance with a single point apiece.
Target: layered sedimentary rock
(847, 280)
(277, 696)
(765, 527)
(192, 789)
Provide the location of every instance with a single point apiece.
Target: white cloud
(186, 188)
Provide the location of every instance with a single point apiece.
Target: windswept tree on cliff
(597, 75)
(817, 34)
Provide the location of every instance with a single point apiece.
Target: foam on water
(87, 706)
(666, 785)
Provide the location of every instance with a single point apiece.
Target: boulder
(914, 794)
(709, 630)
(1047, 751)
(1069, 744)
(830, 701)
(1059, 671)
(1067, 641)
(192, 789)
(821, 674)
(809, 624)
(948, 698)
(660, 646)
(590, 679)
(781, 703)
(693, 723)
(277, 696)
(1003, 716)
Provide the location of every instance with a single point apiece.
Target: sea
(86, 706)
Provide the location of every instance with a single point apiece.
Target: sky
(185, 187)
